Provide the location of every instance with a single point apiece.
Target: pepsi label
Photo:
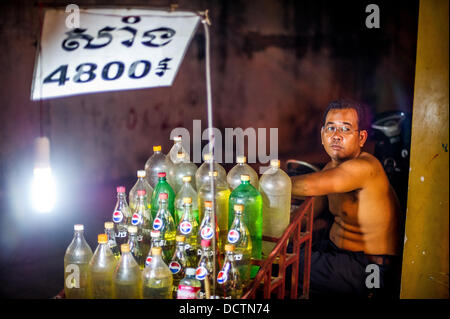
(148, 261)
(201, 273)
(207, 233)
(174, 267)
(157, 223)
(233, 236)
(117, 216)
(222, 277)
(185, 227)
(136, 219)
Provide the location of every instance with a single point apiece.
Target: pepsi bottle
(164, 223)
(121, 217)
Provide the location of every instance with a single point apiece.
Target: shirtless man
(366, 211)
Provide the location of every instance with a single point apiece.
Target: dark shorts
(341, 273)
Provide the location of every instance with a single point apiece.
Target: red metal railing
(299, 232)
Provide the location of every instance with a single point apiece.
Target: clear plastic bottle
(127, 276)
(186, 190)
(136, 248)
(76, 266)
(157, 280)
(205, 270)
(189, 287)
(250, 197)
(141, 184)
(155, 242)
(228, 278)
(157, 163)
(275, 187)
(241, 168)
(165, 224)
(239, 237)
(179, 170)
(222, 195)
(202, 174)
(121, 216)
(163, 187)
(176, 149)
(101, 270)
(142, 219)
(179, 262)
(188, 227)
(109, 231)
(206, 229)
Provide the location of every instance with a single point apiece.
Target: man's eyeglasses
(344, 130)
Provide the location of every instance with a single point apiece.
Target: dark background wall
(275, 64)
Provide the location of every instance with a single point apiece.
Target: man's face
(340, 136)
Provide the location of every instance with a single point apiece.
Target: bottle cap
(157, 148)
(162, 174)
(207, 156)
(181, 155)
(121, 189)
(206, 243)
(275, 163)
(163, 196)
(109, 225)
(156, 250)
(187, 179)
(155, 233)
(241, 159)
(177, 138)
(187, 200)
(141, 192)
(190, 271)
(141, 173)
(180, 238)
(229, 247)
(208, 204)
(125, 248)
(78, 227)
(239, 207)
(213, 173)
(245, 178)
(102, 238)
(132, 229)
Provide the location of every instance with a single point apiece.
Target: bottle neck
(78, 235)
(245, 182)
(187, 212)
(163, 204)
(162, 180)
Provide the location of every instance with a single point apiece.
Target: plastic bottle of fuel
(164, 223)
(188, 227)
(186, 190)
(205, 270)
(157, 163)
(181, 169)
(157, 280)
(143, 221)
(251, 199)
(228, 278)
(141, 184)
(121, 217)
(189, 287)
(176, 149)
(127, 276)
(101, 270)
(241, 168)
(207, 230)
(136, 248)
(155, 242)
(109, 231)
(163, 187)
(275, 187)
(202, 174)
(76, 266)
(179, 262)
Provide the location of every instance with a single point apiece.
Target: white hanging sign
(112, 49)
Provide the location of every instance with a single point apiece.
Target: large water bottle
(180, 170)
(176, 149)
(76, 266)
(157, 163)
(157, 279)
(127, 276)
(201, 176)
(241, 168)
(275, 187)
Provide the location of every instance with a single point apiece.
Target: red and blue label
(185, 227)
(157, 223)
(174, 267)
(201, 273)
(148, 261)
(117, 216)
(135, 219)
(233, 236)
(222, 277)
(207, 232)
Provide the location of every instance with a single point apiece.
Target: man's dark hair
(347, 104)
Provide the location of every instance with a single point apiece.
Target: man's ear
(362, 137)
(321, 135)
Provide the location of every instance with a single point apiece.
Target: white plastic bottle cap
(78, 227)
(109, 225)
(190, 271)
(214, 173)
(245, 177)
(187, 178)
(141, 173)
(241, 159)
(132, 229)
(177, 138)
(275, 163)
(207, 156)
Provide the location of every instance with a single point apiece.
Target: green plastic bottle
(247, 195)
(163, 187)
